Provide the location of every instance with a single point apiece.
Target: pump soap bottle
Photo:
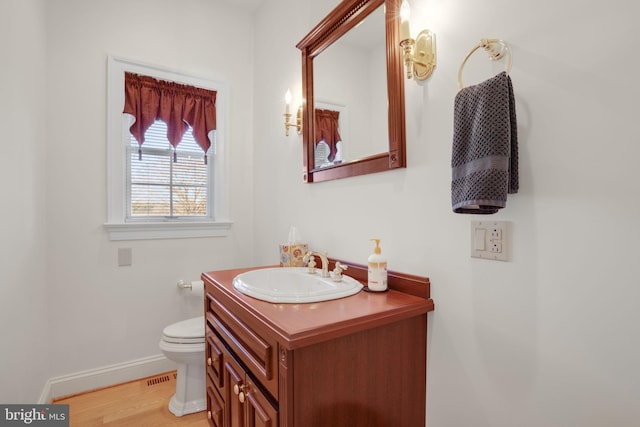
(377, 270)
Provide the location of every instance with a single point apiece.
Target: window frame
(118, 225)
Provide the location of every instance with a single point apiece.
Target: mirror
(353, 117)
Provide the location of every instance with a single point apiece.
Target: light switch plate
(124, 257)
(489, 240)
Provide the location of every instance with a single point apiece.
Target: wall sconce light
(419, 54)
(287, 115)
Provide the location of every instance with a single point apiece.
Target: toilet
(183, 342)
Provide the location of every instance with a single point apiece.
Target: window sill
(166, 230)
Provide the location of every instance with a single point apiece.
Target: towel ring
(496, 48)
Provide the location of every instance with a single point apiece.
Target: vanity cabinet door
(259, 412)
(246, 405)
(215, 408)
(215, 385)
(215, 359)
(234, 378)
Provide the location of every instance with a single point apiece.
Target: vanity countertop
(298, 325)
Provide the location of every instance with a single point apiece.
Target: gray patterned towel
(484, 161)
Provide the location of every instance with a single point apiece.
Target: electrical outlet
(489, 240)
(496, 234)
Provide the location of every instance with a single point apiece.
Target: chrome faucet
(309, 260)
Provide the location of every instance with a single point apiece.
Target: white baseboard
(92, 379)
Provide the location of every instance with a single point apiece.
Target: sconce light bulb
(405, 10)
(287, 101)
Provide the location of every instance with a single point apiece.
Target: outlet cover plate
(124, 257)
(489, 240)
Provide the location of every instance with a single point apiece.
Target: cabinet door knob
(209, 361)
(239, 390)
(209, 415)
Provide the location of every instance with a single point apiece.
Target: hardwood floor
(138, 403)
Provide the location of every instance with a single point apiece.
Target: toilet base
(180, 408)
(190, 396)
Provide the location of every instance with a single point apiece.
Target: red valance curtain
(327, 130)
(148, 99)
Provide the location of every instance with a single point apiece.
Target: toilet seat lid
(190, 330)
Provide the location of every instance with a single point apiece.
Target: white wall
(102, 314)
(549, 338)
(23, 283)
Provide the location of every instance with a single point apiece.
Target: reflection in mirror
(330, 123)
(351, 76)
(352, 73)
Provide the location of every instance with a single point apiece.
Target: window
(159, 189)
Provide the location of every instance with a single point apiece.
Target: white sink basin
(293, 285)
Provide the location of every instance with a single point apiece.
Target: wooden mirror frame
(337, 23)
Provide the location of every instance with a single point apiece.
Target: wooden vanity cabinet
(358, 361)
(233, 398)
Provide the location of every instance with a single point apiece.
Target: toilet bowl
(183, 342)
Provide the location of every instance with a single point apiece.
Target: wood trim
(338, 22)
(357, 167)
(395, 88)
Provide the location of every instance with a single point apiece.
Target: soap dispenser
(377, 280)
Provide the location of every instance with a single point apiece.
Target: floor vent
(158, 380)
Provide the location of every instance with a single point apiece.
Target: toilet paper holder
(183, 284)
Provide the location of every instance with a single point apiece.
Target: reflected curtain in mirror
(327, 130)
